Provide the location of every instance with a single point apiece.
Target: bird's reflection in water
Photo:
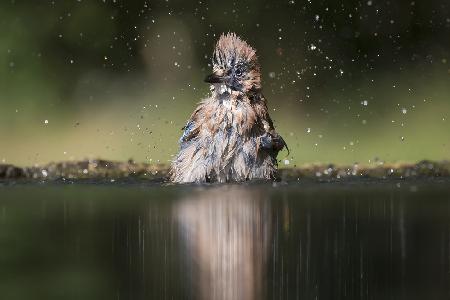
(227, 231)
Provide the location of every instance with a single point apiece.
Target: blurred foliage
(347, 81)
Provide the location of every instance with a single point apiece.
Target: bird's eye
(238, 72)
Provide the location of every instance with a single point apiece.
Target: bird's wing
(271, 140)
(278, 142)
(260, 106)
(188, 131)
(192, 127)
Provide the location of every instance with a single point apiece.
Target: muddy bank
(85, 169)
(103, 169)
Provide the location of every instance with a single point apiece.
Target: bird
(230, 136)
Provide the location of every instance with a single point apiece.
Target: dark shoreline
(103, 169)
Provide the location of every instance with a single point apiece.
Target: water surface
(360, 240)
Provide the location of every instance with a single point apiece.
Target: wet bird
(230, 136)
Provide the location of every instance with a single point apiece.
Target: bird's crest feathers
(231, 50)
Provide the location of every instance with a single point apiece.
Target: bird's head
(235, 65)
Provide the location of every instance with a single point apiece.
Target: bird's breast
(229, 117)
(233, 116)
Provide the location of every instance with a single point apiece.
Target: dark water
(294, 241)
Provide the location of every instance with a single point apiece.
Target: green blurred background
(347, 81)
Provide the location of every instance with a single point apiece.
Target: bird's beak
(215, 78)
